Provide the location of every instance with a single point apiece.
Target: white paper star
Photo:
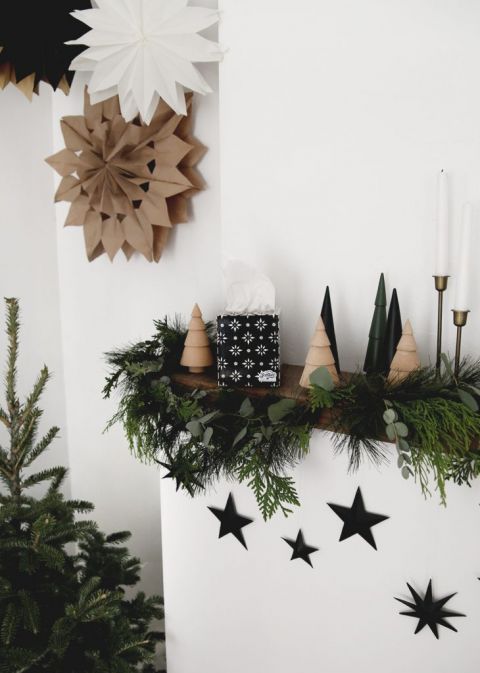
(144, 50)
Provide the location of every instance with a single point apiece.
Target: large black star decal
(230, 521)
(429, 611)
(300, 549)
(356, 519)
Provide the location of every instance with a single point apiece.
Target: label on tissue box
(248, 351)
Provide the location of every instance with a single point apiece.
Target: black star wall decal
(356, 519)
(231, 521)
(429, 611)
(300, 549)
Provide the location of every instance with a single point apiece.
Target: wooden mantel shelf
(290, 388)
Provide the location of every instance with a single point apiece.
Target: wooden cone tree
(393, 332)
(406, 358)
(319, 355)
(327, 317)
(375, 358)
(197, 354)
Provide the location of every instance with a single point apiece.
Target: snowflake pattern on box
(248, 351)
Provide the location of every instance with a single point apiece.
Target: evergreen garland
(200, 437)
(60, 611)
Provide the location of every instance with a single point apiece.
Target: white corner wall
(335, 118)
(74, 311)
(28, 253)
(105, 305)
(230, 610)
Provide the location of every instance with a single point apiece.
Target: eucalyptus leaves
(398, 432)
(200, 438)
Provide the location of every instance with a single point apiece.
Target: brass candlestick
(459, 320)
(441, 283)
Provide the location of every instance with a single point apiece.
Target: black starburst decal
(33, 37)
(428, 611)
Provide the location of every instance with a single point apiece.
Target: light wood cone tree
(319, 355)
(406, 358)
(197, 354)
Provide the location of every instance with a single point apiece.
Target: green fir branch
(201, 438)
(53, 617)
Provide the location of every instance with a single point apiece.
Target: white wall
(74, 311)
(106, 305)
(28, 254)
(231, 610)
(335, 118)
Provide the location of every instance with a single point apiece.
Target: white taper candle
(441, 262)
(463, 275)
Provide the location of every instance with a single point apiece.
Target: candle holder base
(459, 320)
(441, 283)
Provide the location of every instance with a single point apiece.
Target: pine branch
(80, 506)
(22, 660)
(35, 451)
(119, 537)
(26, 437)
(52, 617)
(32, 400)
(30, 612)
(4, 418)
(13, 327)
(10, 622)
(56, 474)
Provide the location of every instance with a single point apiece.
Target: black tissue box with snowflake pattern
(248, 351)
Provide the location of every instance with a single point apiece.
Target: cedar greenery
(252, 442)
(200, 438)
(60, 610)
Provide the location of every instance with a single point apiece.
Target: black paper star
(300, 549)
(429, 611)
(184, 476)
(230, 521)
(33, 36)
(356, 519)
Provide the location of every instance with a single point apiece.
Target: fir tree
(375, 358)
(61, 611)
(327, 317)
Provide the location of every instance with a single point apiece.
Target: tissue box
(248, 351)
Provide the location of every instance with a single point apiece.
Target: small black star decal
(230, 521)
(428, 611)
(356, 519)
(300, 549)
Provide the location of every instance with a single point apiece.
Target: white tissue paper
(247, 289)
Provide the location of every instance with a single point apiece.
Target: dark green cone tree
(375, 358)
(327, 317)
(393, 332)
(61, 611)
